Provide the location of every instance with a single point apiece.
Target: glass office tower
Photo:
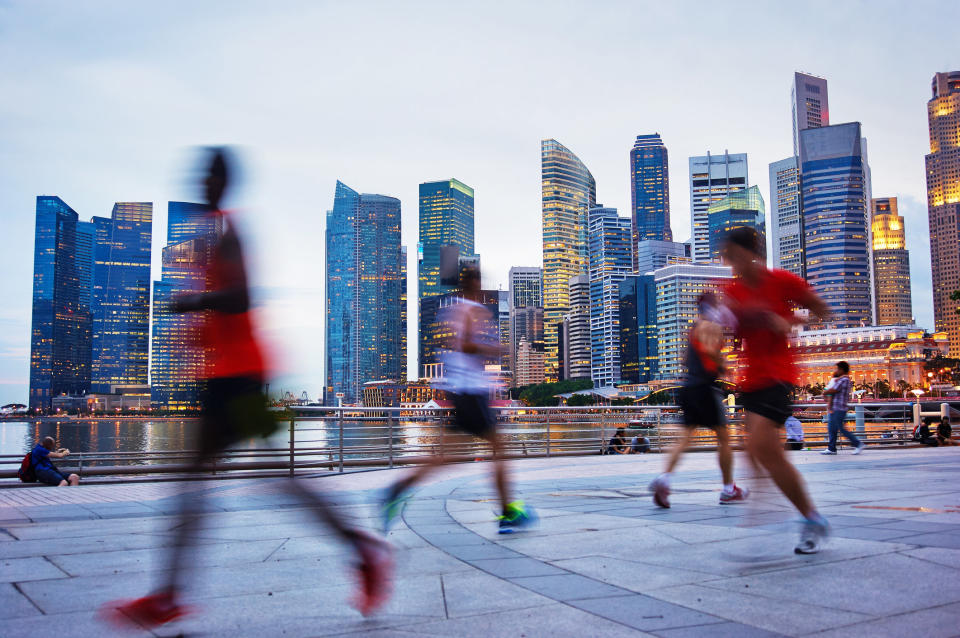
(638, 329)
(568, 191)
(609, 262)
(712, 177)
(446, 219)
(786, 228)
(650, 190)
(742, 208)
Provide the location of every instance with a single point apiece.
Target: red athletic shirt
(768, 359)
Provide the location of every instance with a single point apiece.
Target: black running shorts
(773, 402)
(702, 406)
(472, 415)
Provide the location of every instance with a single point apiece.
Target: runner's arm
(233, 297)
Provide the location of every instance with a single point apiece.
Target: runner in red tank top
(762, 301)
(233, 409)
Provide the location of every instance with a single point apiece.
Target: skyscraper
(742, 208)
(366, 295)
(574, 333)
(712, 177)
(60, 331)
(786, 229)
(177, 360)
(835, 200)
(609, 261)
(677, 289)
(446, 219)
(652, 254)
(810, 106)
(121, 296)
(568, 190)
(650, 190)
(526, 309)
(943, 202)
(638, 329)
(435, 330)
(891, 265)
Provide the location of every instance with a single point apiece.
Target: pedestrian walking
(838, 397)
(763, 302)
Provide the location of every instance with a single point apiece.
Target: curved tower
(568, 192)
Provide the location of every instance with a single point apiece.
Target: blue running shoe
(517, 518)
(391, 506)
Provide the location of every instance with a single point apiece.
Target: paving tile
(719, 630)
(13, 604)
(630, 575)
(565, 587)
(949, 540)
(644, 613)
(471, 593)
(921, 526)
(14, 570)
(942, 556)
(515, 567)
(486, 550)
(873, 534)
(929, 623)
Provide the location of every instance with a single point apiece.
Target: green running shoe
(517, 518)
(391, 506)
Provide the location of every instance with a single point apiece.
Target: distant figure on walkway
(701, 400)
(639, 444)
(763, 302)
(618, 443)
(234, 409)
(838, 397)
(945, 432)
(794, 429)
(44, 468)
(923, 434)
(471, 341)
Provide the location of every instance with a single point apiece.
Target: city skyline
(495, 153)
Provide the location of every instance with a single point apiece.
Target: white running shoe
(813, 534)
(859, 448)
(828, 452)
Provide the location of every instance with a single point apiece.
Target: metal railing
(349, 439)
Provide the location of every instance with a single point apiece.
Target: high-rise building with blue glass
(121, 296)
(650, 189)
(741, 208)
(609, 262)
(638, 329)
(61, 319)
(177, 361)
(366, 310)
(835, 205)
(712, 177)
(446, 219)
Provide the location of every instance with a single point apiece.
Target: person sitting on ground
(923, 435)
(44, 468)
(945, 432)
(794, 432)
(639, 444)
(617, 443)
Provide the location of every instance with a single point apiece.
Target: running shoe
(517, 518)
(859, 448)
(738, 495)
(373, 573)
(661, 493)
(391, 506)
(147, 612)
(815, 531)
(828, 452)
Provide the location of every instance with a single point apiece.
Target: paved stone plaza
(603, 562)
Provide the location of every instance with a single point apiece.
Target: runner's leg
(725, 455)
(763, 442)
(500, 478)
(678, 449)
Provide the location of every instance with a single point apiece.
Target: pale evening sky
(104, 101)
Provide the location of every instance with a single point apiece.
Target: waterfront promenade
(603, 562)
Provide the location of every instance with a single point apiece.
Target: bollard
(916, 414)
(340, 421)
(944, 410)
(859, 419)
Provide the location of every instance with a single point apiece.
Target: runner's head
(217, 177)
(742, 249)
(706, 302)
(470, 280)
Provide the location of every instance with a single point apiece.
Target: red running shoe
(736, 496)
(147, 612)
(374, 572)
(660, 493)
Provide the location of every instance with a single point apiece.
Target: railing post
(548, 435)
(340, 435)
(441, 421)
(291, 446)
(390, 438)
(859, 418)
(603, 429)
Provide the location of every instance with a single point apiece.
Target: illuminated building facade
(891, 265)
(574, 347)
(712, 177)
(638, 329)
(60, 332)
(446, 219)
(890, 353)
(436, 330)
(786, 222)
(742, 208)
(652, 254)
(525, 300)
(677, 289)
(943, 202)
(650, 190)
(121, 297)
(529, 364)
(366, 318)
(568, 191)
(609, 262)
(835, 205)
(177, 360)
(811, 109)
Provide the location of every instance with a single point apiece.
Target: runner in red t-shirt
(234, 409)
(763, 301)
